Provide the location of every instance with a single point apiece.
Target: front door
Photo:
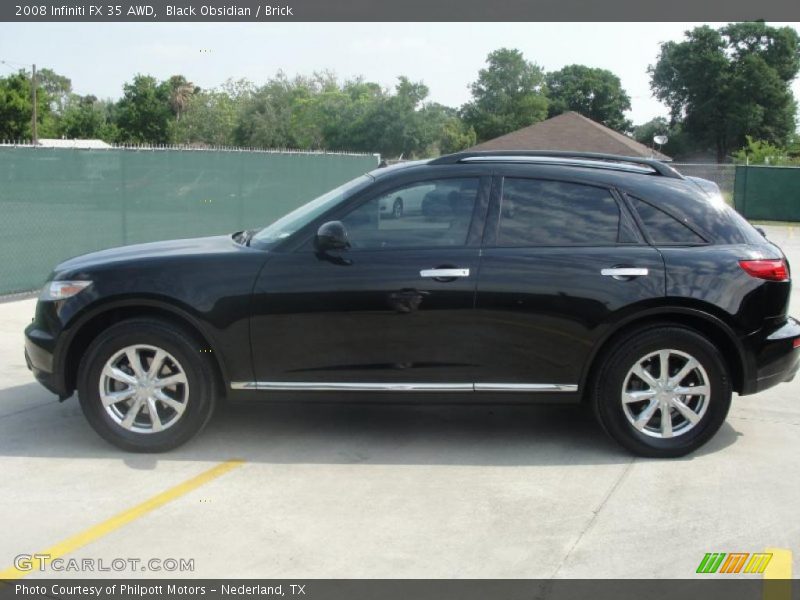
(395, 311)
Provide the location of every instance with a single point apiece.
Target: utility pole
(33, 118)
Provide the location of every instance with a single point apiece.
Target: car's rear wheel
(662, 392)
(145, 387)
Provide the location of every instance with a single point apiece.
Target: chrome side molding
(525, 387)
(303, 386)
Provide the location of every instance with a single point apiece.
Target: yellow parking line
(778, 575)
(97, 531)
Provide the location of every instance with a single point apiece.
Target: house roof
(571, 131)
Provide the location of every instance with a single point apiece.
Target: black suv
(519, 276)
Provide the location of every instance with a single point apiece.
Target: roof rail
(657, 166)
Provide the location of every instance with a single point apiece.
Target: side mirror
(331, 236)
(761, 231)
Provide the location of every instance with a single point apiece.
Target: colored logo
(734, 562)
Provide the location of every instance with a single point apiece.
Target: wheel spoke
(135, 361)
(663, 360)
(644, 375)
(156, 363)
(132, 413)
(119, 375)
(666, 422)
(687, 412)
(692, 390)
(110, 398)
(153, 412)
(691, 365)
(175, 405)
(637, 396)
(170, 380)
(644, 417)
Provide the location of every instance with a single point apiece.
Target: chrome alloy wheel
(666, 393)
(144, 389)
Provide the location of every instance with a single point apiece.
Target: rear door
(561, 261)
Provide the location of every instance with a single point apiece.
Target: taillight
(769, 269)
(796, 343)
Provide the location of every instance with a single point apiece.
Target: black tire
(397, 209)
(606, 393)
(200, 393)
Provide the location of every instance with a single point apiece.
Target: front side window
(424, 214)
(554, 213)
(288, 224)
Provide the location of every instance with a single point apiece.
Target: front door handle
(623, 273)
(444, 273)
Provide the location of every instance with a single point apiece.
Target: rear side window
(554, 213)
(663, 228)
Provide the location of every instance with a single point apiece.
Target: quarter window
(553, 213)
(663, 228)
(425, 214)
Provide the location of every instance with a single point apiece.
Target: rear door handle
(624, 272)
(444, 273)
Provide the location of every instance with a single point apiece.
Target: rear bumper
(775, 357)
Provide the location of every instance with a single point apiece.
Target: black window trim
(703, 235)
(492, 228)
(303, 239)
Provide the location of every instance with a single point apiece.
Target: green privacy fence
(768, 193)
(58, 203)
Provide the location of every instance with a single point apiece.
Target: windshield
(288, 224)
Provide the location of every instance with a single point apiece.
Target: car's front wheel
(145, 386)
(662, 392)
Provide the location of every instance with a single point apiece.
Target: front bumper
(39, 352)
(776, 358)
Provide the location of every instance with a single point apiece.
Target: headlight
(59, 290)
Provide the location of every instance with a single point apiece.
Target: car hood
(154, 250)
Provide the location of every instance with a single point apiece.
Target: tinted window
(663, 228)
(551, 213)
(430, 213)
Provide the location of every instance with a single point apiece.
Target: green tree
(509, 94)
(450, 133)
(86, 117)
(266, 118)
(595, 93)
(727, 83)
(759, 152)
(57, 87)
(16, 108)
(143, 114)
(180, 94)
(209, 118)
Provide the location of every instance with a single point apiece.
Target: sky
(100, 57)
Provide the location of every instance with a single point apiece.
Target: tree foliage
(144, 112)
(724, 84)
(595, 93)
(509, 94)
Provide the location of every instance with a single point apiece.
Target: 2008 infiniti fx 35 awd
(608, 280)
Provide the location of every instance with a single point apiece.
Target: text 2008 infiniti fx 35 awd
(608, 280)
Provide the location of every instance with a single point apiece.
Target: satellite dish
(660, 139)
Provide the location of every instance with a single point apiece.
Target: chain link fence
(724, 175)
(58, 203)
